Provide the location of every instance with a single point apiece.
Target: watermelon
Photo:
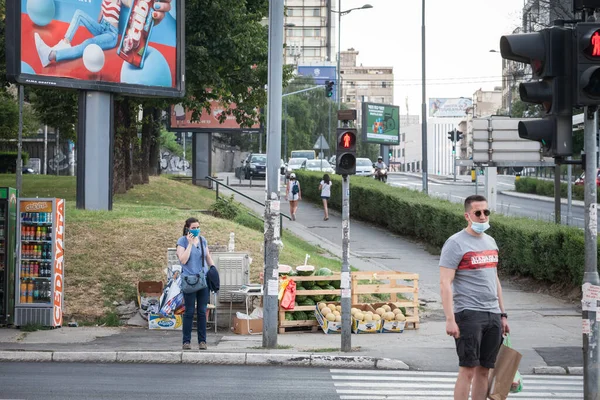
(329, 297)
(338, 298)
(311, 316)
(300, 298)
(323, 284)
(309, 285)
(317, 297)
(323, 272)
(299, 316)
(305, 270)
(307, 302)
(289, 316)
(293, 273)
(336, 284)
(284, 269)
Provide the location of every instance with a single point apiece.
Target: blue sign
(320, 73)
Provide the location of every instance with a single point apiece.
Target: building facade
(310, 32)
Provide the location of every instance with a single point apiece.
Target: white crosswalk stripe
(356, 384)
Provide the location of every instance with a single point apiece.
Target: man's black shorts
(480, 338)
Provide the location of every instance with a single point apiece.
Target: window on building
(315, 12)
(295, 32)
(383, 84)
(351, 83)
(403, 153)
(312, 32)
(294, 12)
(312, 52)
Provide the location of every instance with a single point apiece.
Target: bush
(8, 161)
(225, 208)
(250, 221)
(542, 250)
(546, 188)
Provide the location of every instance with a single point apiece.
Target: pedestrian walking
(325, 188)
(294, 194)
(472, 299)
(193, 253)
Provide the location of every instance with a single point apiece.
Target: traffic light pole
(591, 331)
(557, 198)
(345, 281)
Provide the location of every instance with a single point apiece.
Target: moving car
(255, 165)
(319, 166)
(294, 163)
(308, 154)
(364, 167)
(581, 179)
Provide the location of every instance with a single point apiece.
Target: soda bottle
(23, 294)
(30, 291)
(39, 251)
(36, 292)
(36, 269)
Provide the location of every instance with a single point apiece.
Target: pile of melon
(331, 312)
(384, 312)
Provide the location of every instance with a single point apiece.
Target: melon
(331, 307)
(396, 311)
(338, 318)
(389, 316)
(321, 305)
(386, 307)
(289, 316)
(305, 270)
(353, 310)
(336, 313)
(400, 317)
(299, 316)
(284, 269)
(359, 316)
(380, 311)
(329, 297)
(339, 308)
(325, 311)
(376, 317)
(368, 317)
(330, 317)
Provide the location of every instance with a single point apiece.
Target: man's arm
(446, 279)
(505, 327)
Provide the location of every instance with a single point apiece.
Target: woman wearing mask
(192, 251)
(325, 188)
(293, 194)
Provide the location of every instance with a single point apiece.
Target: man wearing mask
(472, 299)
(380, 164)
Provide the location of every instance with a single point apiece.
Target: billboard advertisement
(181, 120)
(320, 73)
(452, 108)
(381, 123)
(123, 46)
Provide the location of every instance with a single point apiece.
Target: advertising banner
(181, 120)
(124, 46)
(380, 123)
(449, 107)
(320, 74)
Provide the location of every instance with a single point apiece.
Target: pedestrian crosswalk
(355, 384)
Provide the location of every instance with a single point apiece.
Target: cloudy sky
(459, 35)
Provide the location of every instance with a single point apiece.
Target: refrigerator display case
(8, 221)
(39, 288)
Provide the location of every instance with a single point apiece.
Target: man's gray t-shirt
(475, 259)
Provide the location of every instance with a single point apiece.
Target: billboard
(320, 74)
(181, 120)
(381, 123)
(123, 46)
(443, 107)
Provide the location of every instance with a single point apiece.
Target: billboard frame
(14, 74)
(240, 130)
(363, 122)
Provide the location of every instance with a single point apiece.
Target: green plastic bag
(517, 384)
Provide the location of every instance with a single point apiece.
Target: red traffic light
(593, 49)
(347, 140)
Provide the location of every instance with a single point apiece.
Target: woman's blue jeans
(190, 299)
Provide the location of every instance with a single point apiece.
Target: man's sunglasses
(485, 212)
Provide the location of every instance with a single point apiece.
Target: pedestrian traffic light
(329, 88)
(587, 86)
(547, 51)
(345, 160)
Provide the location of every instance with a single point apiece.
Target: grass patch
(329, 350)
(34, 327)
(279, 347)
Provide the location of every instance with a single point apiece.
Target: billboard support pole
(272, 236)
(94, 151)
(19, 166)
(423, 105)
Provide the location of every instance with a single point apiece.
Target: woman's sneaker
(202, 346)
(186, 346)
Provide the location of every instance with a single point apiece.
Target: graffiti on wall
(172, 163)
(59, 162)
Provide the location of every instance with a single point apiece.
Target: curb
(512, 193)
(546, 370)
(196, 357)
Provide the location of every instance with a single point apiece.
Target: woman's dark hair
(326, 179)
(189, 222)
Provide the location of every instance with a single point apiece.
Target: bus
(308, 154)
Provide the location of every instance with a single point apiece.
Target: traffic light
(329, 88)
(587, 86)
(390, 154)
(451, 136)
(345, 160)
(459, 136)
(547, 51)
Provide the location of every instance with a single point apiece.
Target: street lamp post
(423, 105)
(340, 14)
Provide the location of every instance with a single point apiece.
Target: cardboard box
(362, 326)
(171, 322)
(390, 326)
(325, 324)
(240, 326)
(149, 289)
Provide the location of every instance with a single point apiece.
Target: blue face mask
(195, 232)
(479, 227)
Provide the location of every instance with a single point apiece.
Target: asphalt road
(47, 381)
(508, 205)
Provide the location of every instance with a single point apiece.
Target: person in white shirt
(380, 164)
(325, 188)
(293, 194)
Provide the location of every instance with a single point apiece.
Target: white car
(294, 163)
(318, 165)
(364, 167)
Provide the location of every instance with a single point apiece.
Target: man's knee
(482, 372)
(467, 372)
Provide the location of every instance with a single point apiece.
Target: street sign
(321, 144)
(496, 140)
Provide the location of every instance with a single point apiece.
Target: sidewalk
(545, 330)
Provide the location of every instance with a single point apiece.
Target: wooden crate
(397, 282)
(288, 326)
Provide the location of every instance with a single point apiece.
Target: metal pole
(569, 193)
(285, 141)
(510, 90)
(45, 149)
(57, 150)
(591, 344)
(272, 205)
(19, 165)
(329, 128)
(338, 83)
(345, 280)
(557, 216)
(454, 153)
(183, 137)
(423, 105)
(260, 142)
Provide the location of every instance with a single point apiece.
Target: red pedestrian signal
(346, 152)
(348, 140)
(594, 47)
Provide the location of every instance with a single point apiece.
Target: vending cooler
(40, 262)
(8, 221)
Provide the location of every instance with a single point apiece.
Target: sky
(459, 37)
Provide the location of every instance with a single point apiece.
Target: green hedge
(528, 247)
(8, 161)
(546, 188)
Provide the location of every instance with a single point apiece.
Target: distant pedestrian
(193, 253)
(293, 194)
(472, 299)
(325, 188)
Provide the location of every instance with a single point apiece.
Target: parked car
(255, 165)
(318, 165)
(581, 179)
(308, 154)
(332, 159)
(364, 167)
(294, 163)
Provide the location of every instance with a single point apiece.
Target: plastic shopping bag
(289, 296)
(172, 297)
(282, 285)
(517, 384)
